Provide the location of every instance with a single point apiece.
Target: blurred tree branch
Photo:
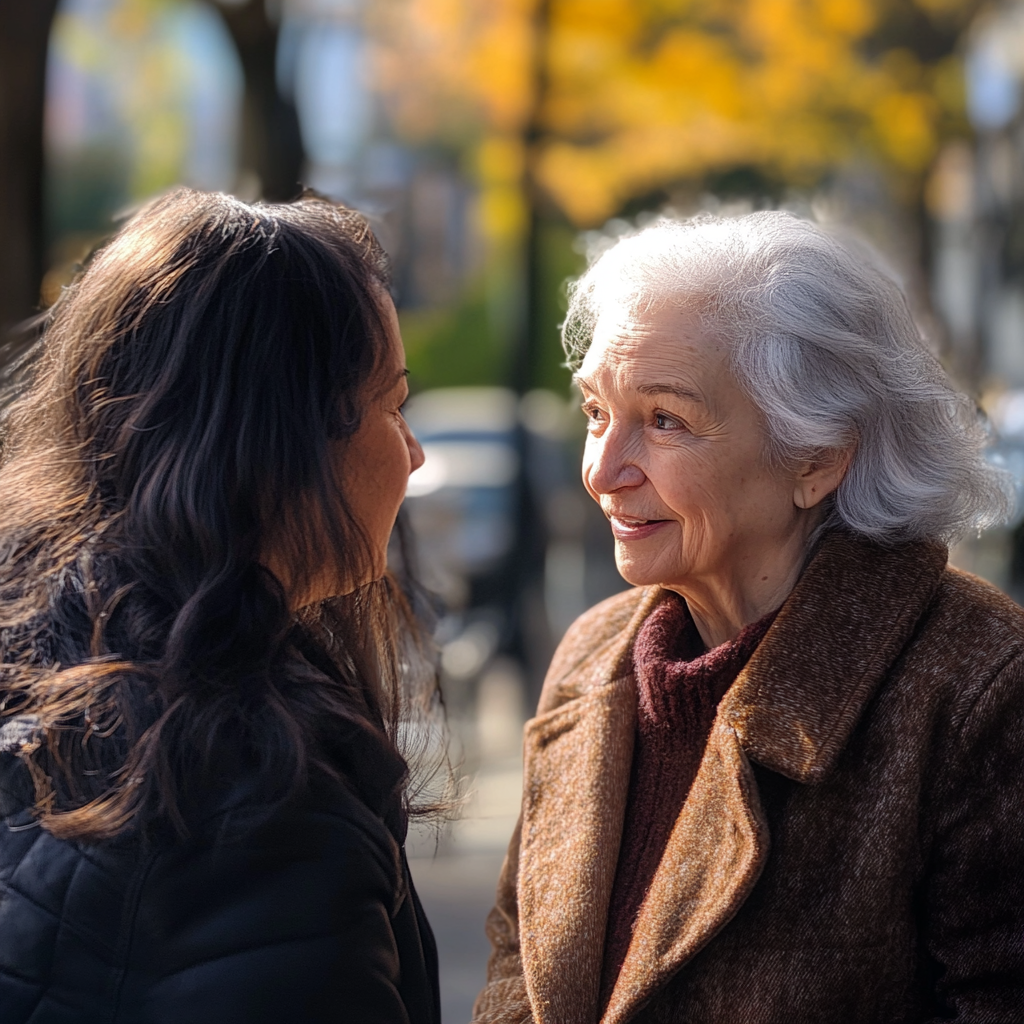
(271, 147)
(24, 37)
(524, 364)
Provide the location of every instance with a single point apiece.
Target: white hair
(823, 342)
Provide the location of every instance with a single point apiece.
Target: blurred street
(457, 884)
(457, 892)
(456, 873)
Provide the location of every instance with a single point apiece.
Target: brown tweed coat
(852, 849)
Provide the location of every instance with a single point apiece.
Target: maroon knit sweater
(679, 685)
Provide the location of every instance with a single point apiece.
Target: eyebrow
(687, 394)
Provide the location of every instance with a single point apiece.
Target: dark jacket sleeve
(974, 901)
(311, 918)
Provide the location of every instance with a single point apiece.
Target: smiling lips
(631, 528)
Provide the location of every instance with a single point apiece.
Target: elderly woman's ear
(816, 480)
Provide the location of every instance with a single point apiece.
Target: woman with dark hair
(203, 804)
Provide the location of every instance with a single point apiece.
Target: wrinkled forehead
(636, 297)
(666, 341)
(667, 313)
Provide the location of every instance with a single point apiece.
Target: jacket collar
(850, 615)
(792, 709)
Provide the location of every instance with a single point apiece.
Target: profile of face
(374, 465)
(383, 452)
(675, 456)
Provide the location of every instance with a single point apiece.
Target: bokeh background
(494, 143)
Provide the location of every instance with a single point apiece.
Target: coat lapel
(713, 859)
(850, 616)
(792, 709)
(577, 766)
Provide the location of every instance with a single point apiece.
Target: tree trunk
(271, 147)
(525, 358)
(530, 641)
(24, 37)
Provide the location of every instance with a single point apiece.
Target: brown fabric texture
(679, 684)
(851, 850)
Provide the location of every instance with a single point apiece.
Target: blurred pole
(271, 148)
(934, 36)
(525, 356)
(24, 38)
(531, 641)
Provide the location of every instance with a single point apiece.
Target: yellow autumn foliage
(638, 94)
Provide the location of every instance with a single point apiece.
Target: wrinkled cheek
(699, 536)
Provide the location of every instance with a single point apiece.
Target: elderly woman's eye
(664, 422)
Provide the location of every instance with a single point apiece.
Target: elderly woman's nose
(611, 464)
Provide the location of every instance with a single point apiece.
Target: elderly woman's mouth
(631, 528)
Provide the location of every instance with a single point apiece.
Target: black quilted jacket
(311, 917)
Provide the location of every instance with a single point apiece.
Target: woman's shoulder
(330, 817)
(973, 635)
(315, 884)
(329, 832)
(976, 616)
(289, 891)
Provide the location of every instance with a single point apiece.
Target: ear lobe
(815, 481)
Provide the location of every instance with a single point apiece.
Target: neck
(723, 604)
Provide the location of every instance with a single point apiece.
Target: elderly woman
(780, 780)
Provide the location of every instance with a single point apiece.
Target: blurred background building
(494, 143)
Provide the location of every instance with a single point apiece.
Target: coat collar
(839, 632)
(792, 709)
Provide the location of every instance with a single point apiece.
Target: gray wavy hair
(823, 342)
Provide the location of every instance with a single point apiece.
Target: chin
(638, 575)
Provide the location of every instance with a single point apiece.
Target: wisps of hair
(823, 342)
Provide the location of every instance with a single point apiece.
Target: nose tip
(606, 467)
(417, 458)
(599, 476)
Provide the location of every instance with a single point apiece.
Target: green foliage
(471, 341)
(84, 191)
(558, 263)
(457, 345)
(132, 51)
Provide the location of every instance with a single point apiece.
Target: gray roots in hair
(823, 342)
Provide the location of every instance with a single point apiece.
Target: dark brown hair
(189, 407)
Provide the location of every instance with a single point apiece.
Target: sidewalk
(456, 876)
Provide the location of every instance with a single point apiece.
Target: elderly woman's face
(674, 456)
